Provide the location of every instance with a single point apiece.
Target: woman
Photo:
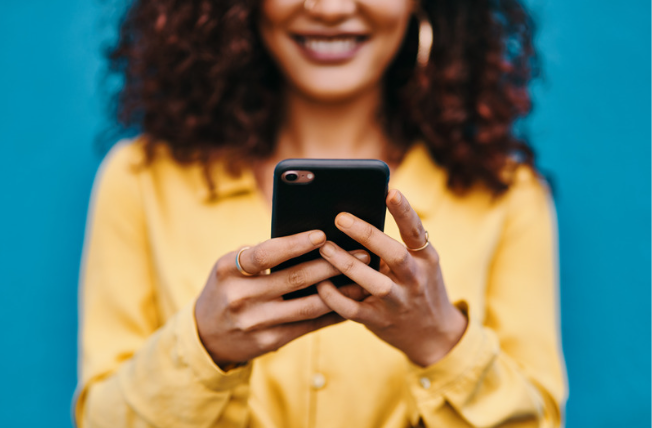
(223, 91)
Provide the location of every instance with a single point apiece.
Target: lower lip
(329, 57)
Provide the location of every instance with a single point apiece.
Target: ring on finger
(423, 247)
(238, 265)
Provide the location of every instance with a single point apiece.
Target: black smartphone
(309, 193)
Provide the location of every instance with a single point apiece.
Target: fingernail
(363, 257)
(327, 249)
(344, 219)
(397, 197)
(317, 237)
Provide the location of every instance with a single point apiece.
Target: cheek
(389, 19)
(278, 10)
(386, 13)
(275, 15)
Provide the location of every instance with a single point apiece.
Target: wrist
(443, 340)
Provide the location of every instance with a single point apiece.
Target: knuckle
(418, 232)
(405, 208)
(435, 256)
(402, 257)
(384, 323)
(246, 324)
(297, 278)
(355, 315)
(267, 341)
(348, 265)
(260, 257)
(367, 232)
(222, 267)
(237, 302)
(384, 289)
(308, 311)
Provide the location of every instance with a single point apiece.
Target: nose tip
(330, 10)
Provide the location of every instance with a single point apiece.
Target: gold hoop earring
(309, 4)
(425, 37)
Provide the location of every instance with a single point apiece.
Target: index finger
(275, 251)
(408, 221)
(387, 248)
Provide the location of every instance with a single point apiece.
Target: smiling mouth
(330, 48)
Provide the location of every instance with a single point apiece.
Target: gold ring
(239, 266)
(423, 247)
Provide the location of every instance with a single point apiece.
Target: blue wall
(591, 128)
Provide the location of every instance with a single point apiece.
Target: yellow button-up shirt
(153, 236)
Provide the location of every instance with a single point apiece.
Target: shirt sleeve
(507, 370)
(135, 371)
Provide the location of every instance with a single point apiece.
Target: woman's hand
(408, 306)
(240, 317)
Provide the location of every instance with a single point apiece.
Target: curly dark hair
(198, 79)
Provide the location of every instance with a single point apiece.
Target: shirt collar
(418, 177)
(226, 184)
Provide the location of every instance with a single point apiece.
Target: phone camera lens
(291, 177)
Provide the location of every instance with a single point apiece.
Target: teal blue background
(591, 128)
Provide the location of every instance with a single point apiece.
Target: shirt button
(425, 382)
(318, 381)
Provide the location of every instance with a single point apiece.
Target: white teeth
(330, 47)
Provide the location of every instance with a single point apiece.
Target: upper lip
(329, 34)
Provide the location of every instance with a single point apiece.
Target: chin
(332, 91)
(329, 96)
